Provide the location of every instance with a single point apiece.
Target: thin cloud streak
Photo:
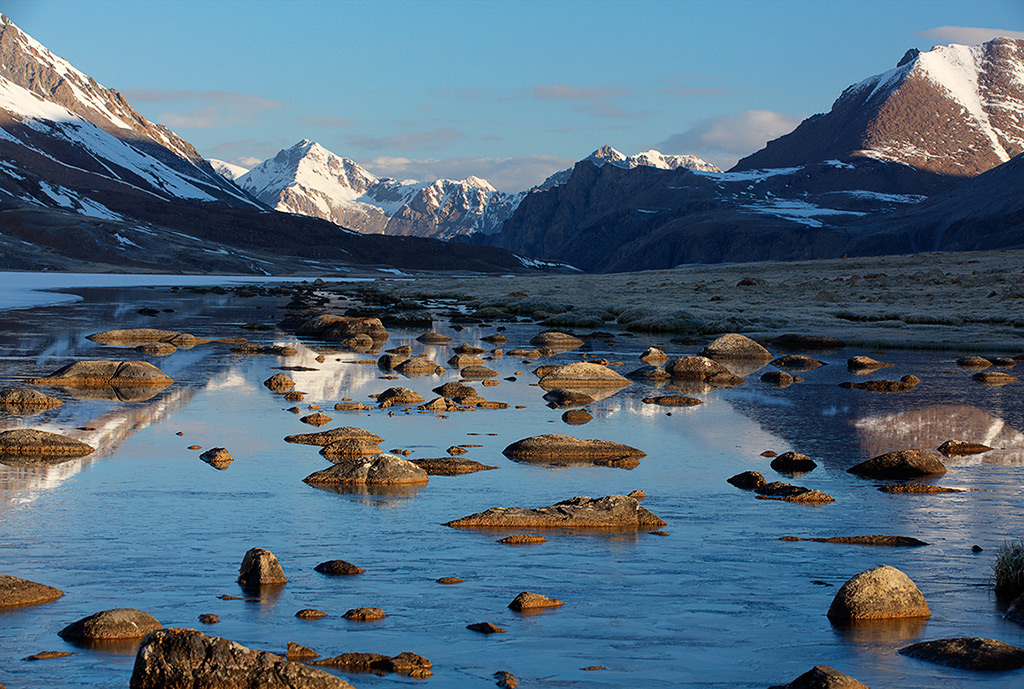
(204, 109)
(724, 140)
(969, 35)
(412, 141)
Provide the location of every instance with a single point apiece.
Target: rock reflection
(392, 491)
(880, 637)
(929, 427)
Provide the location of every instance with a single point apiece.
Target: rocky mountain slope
(88, 183)
(956, 110)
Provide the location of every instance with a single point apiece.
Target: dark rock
(673, 401)
(119, 623)
(968, 653)
(577, 417)
(649, 373)
(822, 677)
(797, 362)
(787, 492)
(187, 659)
(900, 464)
(485, 628)
(733, 346)
(254, 349)
(962, 448)
(318, 419)
(865, 363)
(208, 618)
(613, 511)
(260, 568)
(433, 338)
(793, 463)
(338, 568)
(883, 592)
(364, 614)
(748, 480)
(505, 680)
(449, 466)
(888, 541)
(217, 457)
(559, 398)
(779, 379)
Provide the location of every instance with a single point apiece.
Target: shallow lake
(718, 602)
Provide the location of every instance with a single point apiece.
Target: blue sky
(506, 90)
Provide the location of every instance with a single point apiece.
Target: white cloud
(204, 109)
(506, 174)
(969, 35)
(724, 140)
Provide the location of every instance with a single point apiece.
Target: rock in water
(733, 346)
(968, 653)
(883, 592)
(961, 448)
(582, 374)
(119, 623)
(113, 373)
(557, 446)
(822, 677)
(18, 399)
(279, 382)
(379, 470)
(30, 446)
(694, 368)
(613, 511)
(217, 457)
(259, 568)
(533, 601)
(900, 464)
(187, 659)
(323, 438)
(338, 568)
(16, 592)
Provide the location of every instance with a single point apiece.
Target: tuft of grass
(1008, 569)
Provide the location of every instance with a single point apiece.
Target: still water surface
(719, 602)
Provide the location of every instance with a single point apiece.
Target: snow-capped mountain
(227, 170)
(606, 155)
(307, 179)
(66, 140)
(954, 110)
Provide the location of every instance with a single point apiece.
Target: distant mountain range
(88, 183)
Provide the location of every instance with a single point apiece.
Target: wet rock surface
(16, 592)
(260, 568)
(378, 470)
(556, 446)
(734, 346)
(323, 438)
(187, 659)
(878, 540)
(217, 457)
(900, 464)
(13, 400)
(119, 623)
(527, 601)
(27, 446)
(822, 677)
(338, 568)
(450, 466)
(101, 373)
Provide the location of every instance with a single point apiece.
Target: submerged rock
(260, 568)
(900, 464)
(887, 541)
(882, 592)
(379, 470)
(522, 539)
(119, 623)
(649, 373)
(916, 489)
(779, 379)
(450, 466)
(613, 511)
(559, 398)
(994, 378)
(405, 663)
(904, 384)
(968, 653)
(16, 592)
(187, 659)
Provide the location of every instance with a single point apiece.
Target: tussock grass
(1008, 569)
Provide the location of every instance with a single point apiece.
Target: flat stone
(27, 398)
(962, 448)
(450, 581)
(968, 653)
(364, 614)
(556, 339)
(485, 628)
(106, 373)
(876, 540)
(379, 470)
(323, 438)
(450, 466)
(916, 489)
(673, 401)
(994, 378)
(32, 446)
(582, 374)
(613, 511)
(338, 568)
(522, 539)
(556, 446)
(865, 363)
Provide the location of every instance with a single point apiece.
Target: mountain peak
(952, 110)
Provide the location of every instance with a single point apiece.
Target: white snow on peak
(227, 170)
(955, 68)
(606, 155)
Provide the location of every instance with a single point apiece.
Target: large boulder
(329, 326)
(260, 568)
(968, 653)
(694, 367)
(582, 374)
(464, 360)
(323, 438)
(16, 592)
(115, 374)
(883, 592)
(217, 457)
(900, 464)
(556, 446)
(822, 677)
(733, 346)
(279, 382)
(29, 446)
(119, 623)
(379, 470)
(187, 659)
(613, 511)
